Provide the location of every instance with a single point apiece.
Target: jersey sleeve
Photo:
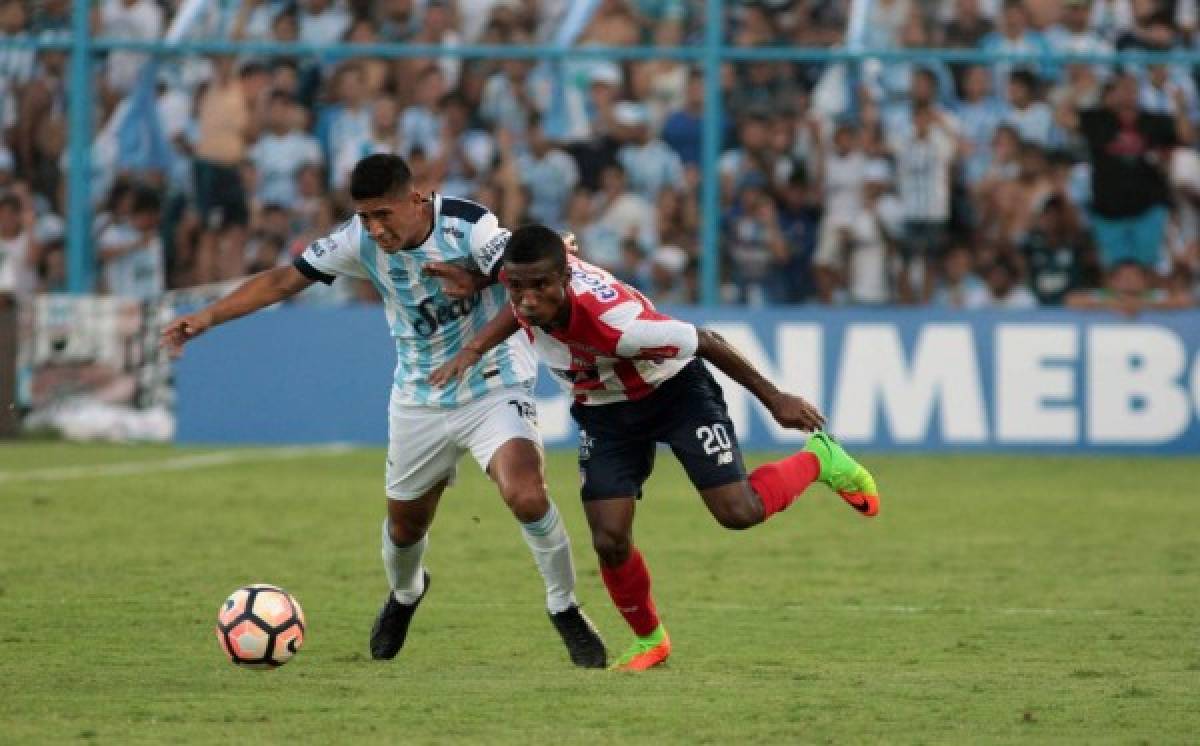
(334, 255)
(649, 335)
(488, 240)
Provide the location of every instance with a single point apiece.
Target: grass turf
(995, 599)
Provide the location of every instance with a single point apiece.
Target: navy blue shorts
(617, 441)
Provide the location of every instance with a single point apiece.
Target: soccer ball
(260, 626)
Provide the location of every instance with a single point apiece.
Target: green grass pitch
(994, 600)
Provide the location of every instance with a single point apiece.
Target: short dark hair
(146, 199)
(379, 175)
(533, 243)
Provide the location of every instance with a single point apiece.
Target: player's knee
(527, 504)
(612, 548)
(404, 532)
(739, 516)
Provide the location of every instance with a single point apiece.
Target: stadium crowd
(913, 182)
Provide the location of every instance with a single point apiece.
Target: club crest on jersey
(431, 315)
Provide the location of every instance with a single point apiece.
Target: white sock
(403, 567)
(547, 538)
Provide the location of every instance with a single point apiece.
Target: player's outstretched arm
(261, 290)
(502, 326)
(787, 409)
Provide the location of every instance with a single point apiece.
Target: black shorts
(617, 441)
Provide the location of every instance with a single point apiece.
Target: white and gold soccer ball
(260, 626)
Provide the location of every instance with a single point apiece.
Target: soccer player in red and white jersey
(638, 380)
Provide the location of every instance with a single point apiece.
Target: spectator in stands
(323, 21)
(682, 128)
(16, 65)
(923, 170)
(979, 113)
(227, 122)
(464, 152)
(1128, 290)
(661, 84)
(1127, 147)
(649, 163)
(1014, 36)
(19, 255)
(419, 127)
(1002, 289)
(348, 117)
(1056, 252)
(135, 20)
(382, 137)
(667, 282)
(1027, 114)
(957, 281)
(619, 215)
(966, 27)
(281, 151)
(752, 236)
(550, 175)
(131, 253)
(597, 149)
(852, 261)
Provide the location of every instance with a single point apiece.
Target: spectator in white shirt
(419, 126)
(381, 138)
(619, 215)
(128, 20)
(649, 162)
(924, 165)
(852, 265)
(281, 152)
(1002, 289)
(132, 253)
(323, 21)
(1033, 119)
(549, 174)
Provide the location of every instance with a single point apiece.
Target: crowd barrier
(896, 379)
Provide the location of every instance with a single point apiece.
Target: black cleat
(391, 626)
(581, 638)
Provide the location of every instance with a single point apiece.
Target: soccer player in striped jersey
(638, 380)
(394, 234)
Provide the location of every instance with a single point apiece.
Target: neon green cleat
(843, 474)
(646, 652)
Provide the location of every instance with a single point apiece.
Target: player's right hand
(455, 368)
(178, 332)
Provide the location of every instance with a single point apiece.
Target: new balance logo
(724, 458)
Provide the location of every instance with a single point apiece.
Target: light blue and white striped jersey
(428, 326)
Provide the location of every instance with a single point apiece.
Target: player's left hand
(457, 282)
(796, 412)
(455, 368)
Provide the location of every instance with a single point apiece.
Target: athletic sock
(403, 567)
(547, 539)
(629, 587)
(780, 482)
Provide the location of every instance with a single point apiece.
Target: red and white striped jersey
(616, 347)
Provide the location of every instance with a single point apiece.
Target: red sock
(780, 482)
(629, 587)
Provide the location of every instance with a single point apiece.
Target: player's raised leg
(627, 579)
(516, 466)
(405, 537)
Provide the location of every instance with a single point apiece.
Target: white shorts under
(425, 443)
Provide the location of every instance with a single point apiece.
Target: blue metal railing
(708, 56)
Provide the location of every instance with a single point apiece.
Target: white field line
(179, 463)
